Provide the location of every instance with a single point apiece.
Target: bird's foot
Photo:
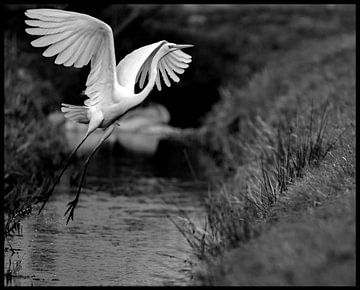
(71, 207)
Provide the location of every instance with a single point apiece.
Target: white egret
(78, 39)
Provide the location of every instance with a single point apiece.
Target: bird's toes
(70, 216)
(69, 208)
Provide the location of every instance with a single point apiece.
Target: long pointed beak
(181, 46)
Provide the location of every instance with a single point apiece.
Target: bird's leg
(72, 204)
(49, 193)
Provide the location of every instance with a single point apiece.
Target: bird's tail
(75, 113)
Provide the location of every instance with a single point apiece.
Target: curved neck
(150, 85)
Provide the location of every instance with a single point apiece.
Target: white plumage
(76, 39)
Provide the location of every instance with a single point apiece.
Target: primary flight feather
(77, 39)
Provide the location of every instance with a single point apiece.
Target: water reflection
(120, 234)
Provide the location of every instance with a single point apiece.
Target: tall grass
(236, 211)
(267, 135)
(33, 147)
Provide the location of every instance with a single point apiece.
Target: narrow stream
(120, 235)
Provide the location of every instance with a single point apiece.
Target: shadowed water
(120, 235)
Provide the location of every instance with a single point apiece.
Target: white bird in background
(77, 39)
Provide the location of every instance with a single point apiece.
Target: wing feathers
(163, 73)
(170, 71)
(180, 59)
(77, 54)
(85, 56)
(130, 68)
(50, 13)
(75, 39)
(158, 82)
(177, 62)
(43, 24)
(65, 49)
(77, 48)
(45, 31)
(90, 47)
(183, 56)
(52, 38)
(143, 77)
(60, 46)
(31, 14)
(171, 64)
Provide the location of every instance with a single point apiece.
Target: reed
(265, 152)
(33, 149)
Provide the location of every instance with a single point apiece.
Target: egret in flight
(77, 39)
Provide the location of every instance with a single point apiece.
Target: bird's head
(172, 46)
(168, 47)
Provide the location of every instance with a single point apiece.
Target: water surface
(120, 235)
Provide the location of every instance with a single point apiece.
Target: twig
(190, 166)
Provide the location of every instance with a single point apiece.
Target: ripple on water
(113, 240)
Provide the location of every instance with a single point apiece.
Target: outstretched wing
(136, 66)
(76, 39)
(169, 65)
(129, 67)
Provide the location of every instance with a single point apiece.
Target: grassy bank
(33, 148)
(284, 213)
